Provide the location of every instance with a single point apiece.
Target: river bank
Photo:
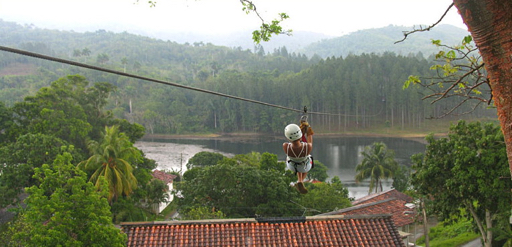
(339, 153)
(174, 157)
(247, 137)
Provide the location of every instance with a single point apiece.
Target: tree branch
(458, 81)
(421, 29)
(266, 29)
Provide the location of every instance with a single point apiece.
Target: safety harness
(306, 158)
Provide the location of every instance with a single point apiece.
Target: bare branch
(458, 81)
(407, 33)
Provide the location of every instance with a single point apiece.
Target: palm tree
(378, 163)
(110, 159)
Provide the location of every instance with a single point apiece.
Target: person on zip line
(298, 151)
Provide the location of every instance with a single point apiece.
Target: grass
(439, 127)
(168, 211)
(444, 235)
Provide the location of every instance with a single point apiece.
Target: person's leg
(300, 182)
(301, 176)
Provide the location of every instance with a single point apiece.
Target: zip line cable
(83, 65)
(59, 60)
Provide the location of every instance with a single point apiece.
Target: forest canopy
(356, 92)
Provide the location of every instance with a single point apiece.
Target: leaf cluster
(465, 170)
(266, 29)
(460, 74)
(252, 185)
(378, 164)
(66, 210)
(67, 113)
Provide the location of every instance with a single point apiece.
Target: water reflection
(340, 155)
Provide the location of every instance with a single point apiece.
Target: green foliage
(200, 213)
(134, 131)
(378, 163)
(353, 85)
(68, 109)
(325, 197)
(459, 75)
(111, 159)
(401, 179)
(450, 234)
(269, 161)
(266, 30)
(56, 111)
(204, 158)
(319, 172)
(126, 209)
(154, 193)
(66, 210)
(138, 206)
(19, 160)
(67, 113)
(411, 79)
(252, 185)
(382, 40)
(465, 170)
(237, 190)
(5, 120)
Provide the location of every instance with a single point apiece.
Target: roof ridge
(371, 196)
(254, 220)
(362, 205)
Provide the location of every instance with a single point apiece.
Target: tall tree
(110, 159)
(204, 158)
(66, 210)
(19, 159)
(378, 163)
(237, 190)
(69, 109)
(490, 24)
(466, 170)
(325, 197)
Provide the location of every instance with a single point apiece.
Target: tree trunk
(485, 231)
(488, 222)
(425, 223)
(490, 24)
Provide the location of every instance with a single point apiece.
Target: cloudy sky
(331, 17)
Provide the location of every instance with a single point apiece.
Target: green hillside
(380, 40)
(354, 92)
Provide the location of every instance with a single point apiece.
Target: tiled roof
(167, 178)
(401, 214)
(375, 230)
(382, 196)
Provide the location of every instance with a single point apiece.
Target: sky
(331, 17)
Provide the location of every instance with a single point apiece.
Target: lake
(340, 154)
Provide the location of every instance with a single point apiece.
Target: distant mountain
(243, 39)
(380, 40)
(376, 40)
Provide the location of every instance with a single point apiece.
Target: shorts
(301, 167)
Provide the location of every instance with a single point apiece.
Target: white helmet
(292, 132)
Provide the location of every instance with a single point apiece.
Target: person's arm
(310, 142)
(285, 146)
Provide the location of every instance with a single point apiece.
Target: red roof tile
(167, 178)
(401, 214)
(376, 230)
(382, 196)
